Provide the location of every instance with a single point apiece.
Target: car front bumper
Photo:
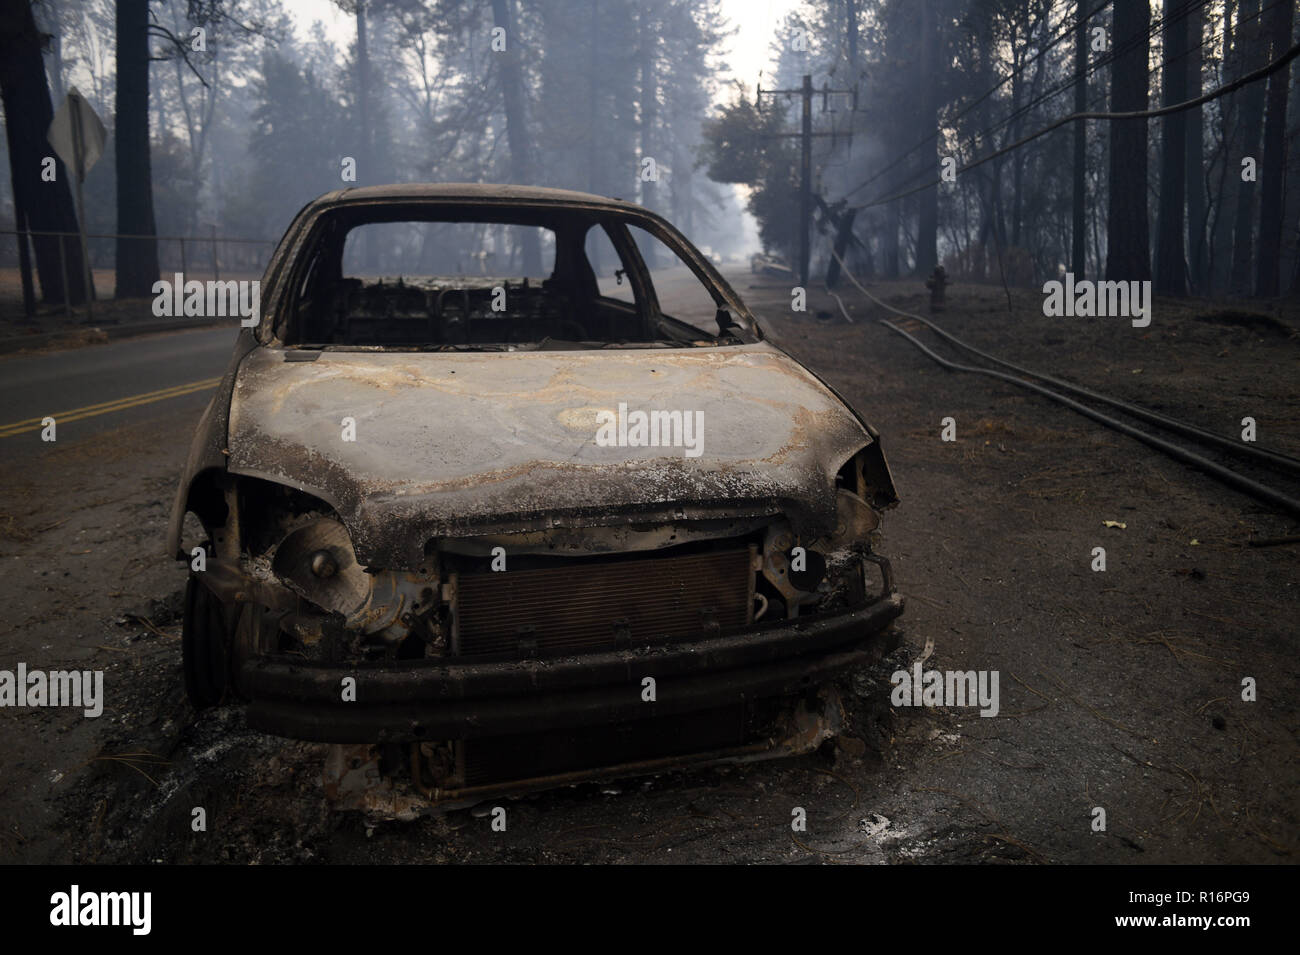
(430, 700)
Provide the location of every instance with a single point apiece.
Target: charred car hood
(465, 444)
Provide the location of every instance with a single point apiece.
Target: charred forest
(922, 149)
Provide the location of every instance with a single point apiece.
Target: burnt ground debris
(1119, 690)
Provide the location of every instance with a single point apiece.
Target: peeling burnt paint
(458, 451)
(520, 499)
(456, 445)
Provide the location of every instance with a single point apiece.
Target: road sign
(77, 136)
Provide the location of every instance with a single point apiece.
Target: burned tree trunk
(1252, 116)
(1273, 166)
(39, 205)
(1171, 269)
(927, 226)
(1197, 251)
(137, 258)
(1227, 173)
(1078, 255)
(1128, 254)
(512, 95)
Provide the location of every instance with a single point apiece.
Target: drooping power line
(1236, 84)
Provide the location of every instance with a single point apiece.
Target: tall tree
(1034, 15)
(364, 152)
(1273, 167)
(1254, 45)
(927, 252)
(984, 55)
(512, 95)
(648, 99)
(1078, 253)
(1171, 269)
(1197, 250)
(1128, 254)
(137, 258)
(38, 205)
(1227, 175)
(894, 86)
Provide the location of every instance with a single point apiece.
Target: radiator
(600, 605)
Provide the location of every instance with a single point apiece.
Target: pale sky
(746, 52)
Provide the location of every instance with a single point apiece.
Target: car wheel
(205, 638)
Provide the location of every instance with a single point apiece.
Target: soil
(1119, 690)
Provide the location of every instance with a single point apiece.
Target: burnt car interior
(463, 283)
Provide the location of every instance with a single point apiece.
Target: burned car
(508, 490)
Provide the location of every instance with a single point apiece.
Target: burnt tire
(205, 643)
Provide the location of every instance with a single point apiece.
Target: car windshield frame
(329, 221)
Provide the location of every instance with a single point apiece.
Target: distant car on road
(712, 256)
(482, 510)
(761, 263)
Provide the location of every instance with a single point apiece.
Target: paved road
(97, 388)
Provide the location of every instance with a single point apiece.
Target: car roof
(470, 192)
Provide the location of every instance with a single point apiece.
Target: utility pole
(806, 136)
(1079, 221)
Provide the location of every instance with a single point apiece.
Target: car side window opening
(682, 295)
(612, 278)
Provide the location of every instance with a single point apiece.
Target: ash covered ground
(1119, 690)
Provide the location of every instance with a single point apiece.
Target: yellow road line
(121, 404)
(161, 392)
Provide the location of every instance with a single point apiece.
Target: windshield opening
(503, 279)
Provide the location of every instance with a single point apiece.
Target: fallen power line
(1224, 474)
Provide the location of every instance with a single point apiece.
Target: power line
(1003, 82)
(1249, 78)
(1103, 61)
(1130, 44)
(1156, 26)
(1065, 85)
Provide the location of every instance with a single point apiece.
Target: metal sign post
(77, 136)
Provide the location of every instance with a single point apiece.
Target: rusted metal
(231, 583)
(352, 779)
(600, 605)
(421, 700)
(293, 458)
(523, 427)
(369, 559)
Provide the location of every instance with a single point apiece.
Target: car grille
(585, 605)
(504, 759)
